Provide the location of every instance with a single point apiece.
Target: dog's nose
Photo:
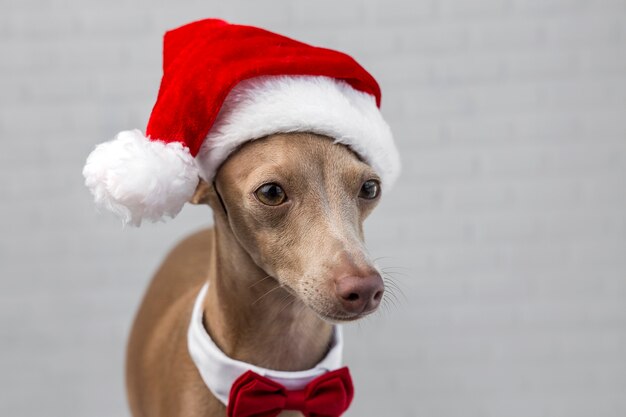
(360, 294)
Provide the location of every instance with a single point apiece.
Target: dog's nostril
(378, 295)
(352, 296)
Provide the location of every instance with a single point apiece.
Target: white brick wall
(510, 218)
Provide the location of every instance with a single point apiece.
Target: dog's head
(296, 204)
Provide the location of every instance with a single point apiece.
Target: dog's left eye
(271, 194)
(370, 190)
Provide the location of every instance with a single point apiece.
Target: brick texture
(507, 231)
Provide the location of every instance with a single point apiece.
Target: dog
(286, 143)
(283, 264)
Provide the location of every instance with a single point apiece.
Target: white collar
(219, 371)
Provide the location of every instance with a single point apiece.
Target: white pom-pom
(138, 178)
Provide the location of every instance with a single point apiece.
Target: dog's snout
(360, 294)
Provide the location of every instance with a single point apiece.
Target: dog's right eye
(271, 194)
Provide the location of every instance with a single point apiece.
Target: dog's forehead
(297, 152)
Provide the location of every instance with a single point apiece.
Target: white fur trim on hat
(280, 104)
(138, 178)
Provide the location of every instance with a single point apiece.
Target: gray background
(510, 215)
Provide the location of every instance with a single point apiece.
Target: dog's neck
(251, 318)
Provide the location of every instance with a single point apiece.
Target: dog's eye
(370, 190)
(271, 194)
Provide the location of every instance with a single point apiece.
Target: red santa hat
(224, 85)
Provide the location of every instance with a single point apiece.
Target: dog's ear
(202, 193)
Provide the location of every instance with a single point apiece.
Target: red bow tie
(253, 395)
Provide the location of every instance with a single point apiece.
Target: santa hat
(224, 85)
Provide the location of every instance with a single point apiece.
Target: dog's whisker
(391, 283)
(394, 296)
(293, 300)
(390, 279)
(397, 298)
(260, 281)
(267, 293)
(385, 305)
(394, 277)
(397, 267)
(396, 273)
(384, 257)
(388, 301)
(388, 267)
(391, 293)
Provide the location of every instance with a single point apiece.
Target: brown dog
(284, 260)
